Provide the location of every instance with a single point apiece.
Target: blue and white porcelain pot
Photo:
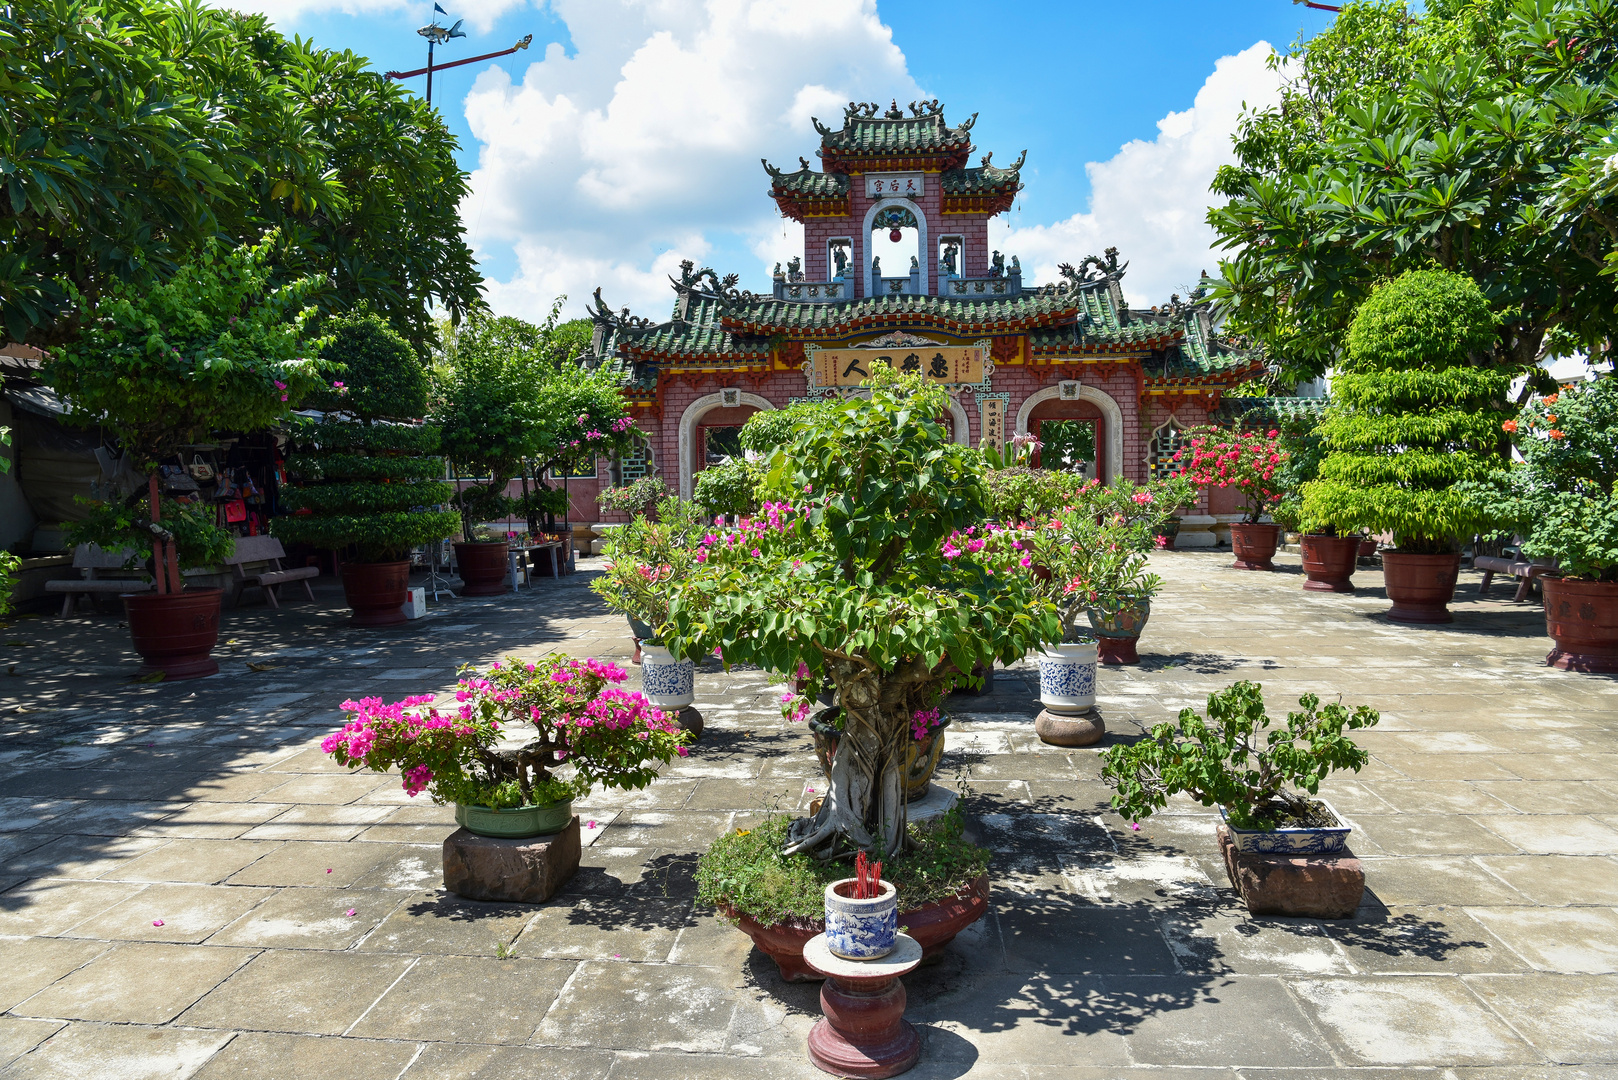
(861, 929)
(1328, 840)
(667, 683)
(1067, 677)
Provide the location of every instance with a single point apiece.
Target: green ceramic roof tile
(984, 180)
(780, 316)
(807, 182)
(892, 135)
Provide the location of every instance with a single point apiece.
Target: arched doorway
(906, 217)
(708, 428)
(1075, 401)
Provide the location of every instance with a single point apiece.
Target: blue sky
(628, 135)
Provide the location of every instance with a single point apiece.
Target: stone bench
(92, 563)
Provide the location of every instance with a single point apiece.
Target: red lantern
(895, 235)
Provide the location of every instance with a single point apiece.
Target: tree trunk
(866, 807)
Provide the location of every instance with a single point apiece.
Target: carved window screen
(1166, 441)
(634, 463)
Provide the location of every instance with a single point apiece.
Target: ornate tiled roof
(984, 189)
(765, 315)
(894, 138)
(807, 193)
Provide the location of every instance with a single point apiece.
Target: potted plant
(633, 499)
(1262, 779)
(1249, 462)
(940, 881)
(567, 707)
(1563, 496)
(843, 572)
(1417, 407)
(1328, 558)
(216, 347)
(728, 489)
(646, 563)
(367, 484)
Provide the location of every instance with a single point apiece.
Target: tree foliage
(1416, 409)
(1476, 137)
(136, 132)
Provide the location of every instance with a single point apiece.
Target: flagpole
(429, 71)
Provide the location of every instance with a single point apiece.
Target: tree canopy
(135, 131)
(1475, 137)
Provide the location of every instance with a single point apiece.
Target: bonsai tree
(1234, 759)
(215, 348)
(609, 737)
(1417, 408)
(1563, 496)
(1249, 461)
(368, 480)
(842, 581)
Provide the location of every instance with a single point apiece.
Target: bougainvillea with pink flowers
(1245, 460)
(582, 724)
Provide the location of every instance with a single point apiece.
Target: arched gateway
(897, 269)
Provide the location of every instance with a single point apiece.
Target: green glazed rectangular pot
(515, 821)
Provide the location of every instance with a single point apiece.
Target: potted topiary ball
(1416, 411)
(367, 483)
(215, 348)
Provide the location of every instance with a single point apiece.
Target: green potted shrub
(729, 489)
(215, 348)
(1417, 405)
(1563, 496)
(647, 563)
(570, 712)
(368, 485)
(1263, 779)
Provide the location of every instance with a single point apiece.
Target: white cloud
(609, 166)
(1149, 199)
(284, 13)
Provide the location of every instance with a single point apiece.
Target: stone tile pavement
(189, 889)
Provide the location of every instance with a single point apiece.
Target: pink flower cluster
(923, 721)
(776, 518)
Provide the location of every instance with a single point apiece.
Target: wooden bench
(263, 554)
(91, 563)
(1524, 570)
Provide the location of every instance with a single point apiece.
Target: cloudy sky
(628, 136)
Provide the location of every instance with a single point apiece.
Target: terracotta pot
(1329, 561)
(1420, 586)
(175, 632)
(1116, 635)
(1582, 618)
(1367, 546)
(1254, 545)
(934, 926)
(483, 567)
(376, 592)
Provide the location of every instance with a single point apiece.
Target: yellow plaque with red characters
(940, 363)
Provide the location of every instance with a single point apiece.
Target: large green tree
(134, 131)
(1473, 137)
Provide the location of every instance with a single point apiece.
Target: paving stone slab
(1437, 879)
(258, 1056)
(462, 1062)
(136, 983)
(464, 999)
(1183, 1020)
(616, 1005)
(29, 965)
(1420, 940)
(601, 928)
(101, 1052)
(1557, 879)
(47, 906)
(175, 913)
(18, 1036)
(1568, 940)
(316, 993)
(1568, 1018)
(201, 862)
(313, 862)
(1410, 1020)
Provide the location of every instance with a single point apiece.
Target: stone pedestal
(690, 720)
(1305, 886)
(528, 870)
(1196, 531)
(864, 1032)
(1070, 729)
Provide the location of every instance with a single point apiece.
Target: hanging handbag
(200, 470)
(235, 510)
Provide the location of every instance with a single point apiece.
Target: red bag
(236, 510)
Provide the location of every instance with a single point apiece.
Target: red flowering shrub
(1245, 460)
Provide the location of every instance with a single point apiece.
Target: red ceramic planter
(1329, 561)
(1582, 618)
(1420, 586)
(933, 925)
(1254, 545)
(376, 592)
(175, 632)
(484, 568)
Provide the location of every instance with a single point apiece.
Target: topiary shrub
(367, 480)
(1416, 409)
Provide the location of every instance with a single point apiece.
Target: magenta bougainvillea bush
(1244, 460)
(585, 731)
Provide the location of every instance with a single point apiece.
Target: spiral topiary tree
(368, 475)
(1417, 405)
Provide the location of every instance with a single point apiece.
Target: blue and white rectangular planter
(1326, 841)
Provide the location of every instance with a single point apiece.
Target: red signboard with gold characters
(940, 363)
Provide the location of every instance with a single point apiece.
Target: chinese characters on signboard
(940, 363)
(992, 413)
(885, 185)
